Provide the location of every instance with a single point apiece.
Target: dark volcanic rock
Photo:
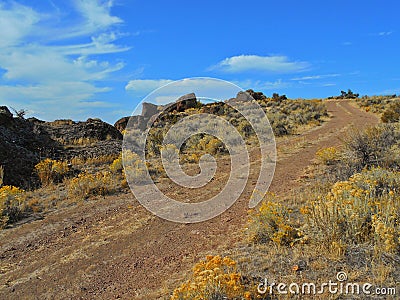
(186, 102)
(22, 145)
(121, 124)
(6, 116)
(69, 131)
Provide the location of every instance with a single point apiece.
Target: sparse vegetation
(392, 113)
(349, 215)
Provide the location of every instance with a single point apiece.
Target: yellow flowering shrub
(271, 222)
(365, 208)
(215, 278)
(86, 184)
(135, 168)
(11, 201)
(50, 170)
(327, 155)
(116, 166)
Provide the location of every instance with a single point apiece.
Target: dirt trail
(113, 248)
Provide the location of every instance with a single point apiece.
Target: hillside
(111, 247)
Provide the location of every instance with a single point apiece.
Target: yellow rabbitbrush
(214, 278)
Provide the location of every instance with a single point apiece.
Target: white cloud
(95, 16)
(43, 101)
(16, 22)
(36, 70)
(145, 86)
(276, 64)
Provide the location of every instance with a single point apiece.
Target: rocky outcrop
(121, 124)
(69, 132)
(183, 103)
(150, 112)
(138, 122)
(25, 142)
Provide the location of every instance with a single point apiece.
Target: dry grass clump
(80, 162)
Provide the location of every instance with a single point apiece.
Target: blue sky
(94, 58)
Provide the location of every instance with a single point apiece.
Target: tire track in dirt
(113, 248)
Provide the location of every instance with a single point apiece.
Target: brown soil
(113, 248)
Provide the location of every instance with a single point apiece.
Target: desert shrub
(212, 145)
(135, 168)
(11, 202)
(271, 222)
(215, 278)
(86, 185)
(116, 166)
(363, 209)
(245, 128)
(327, 155)
(369, 148)
(50, 170)
(392, 113)
(169, 151)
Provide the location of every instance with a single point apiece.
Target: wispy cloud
(385, 33)
(275, 64)
(315, 77)
(262, 85)
(347, 43)
(56, 68)
(145, 86)
(16, 22)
